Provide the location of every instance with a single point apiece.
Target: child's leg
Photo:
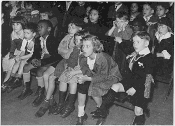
(40, 98)
(21, 66)
(15, 68)
(140, 117)
(49, 101)
(70, 107)
(26, 78)
(46, 75)
(7, 76)
(98, 101)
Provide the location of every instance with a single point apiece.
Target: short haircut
(44, 10)
(19, 19)
(122, 15)
(49, 24)
(143, 35)
(163, 4)
(31, 26)
(78, 22)
(98, 46)
(150, 4)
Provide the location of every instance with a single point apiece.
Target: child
(134, 11)
(45, 54)
(104, 73)
(164, 48)
(162, 9)
(27, 49)
(17, 36)
(121, 31)
(141, 66)
(65, 49)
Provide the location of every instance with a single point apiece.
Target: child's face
(87, 10)
(13, 3)
(160, 11)
(72, 28)
(147, 10)
(93, 16)
(28, 34)
(78, 40)
(134, 7)
(136, 26)
(139, 44)
(17, 27)
(120, 22)
(43, 29)
(29, 7)
(44, 16)
(87, 48)
(162, 29)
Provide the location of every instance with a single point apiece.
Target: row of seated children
(82, 93)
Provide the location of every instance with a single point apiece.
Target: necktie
(43, 47)
(70, 44)
(26, 52)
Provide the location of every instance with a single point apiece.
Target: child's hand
(159, 55)
(84, 78)
(11, 55)
(118, 39)
(17, 58)
(151, 23)
(131, 91)
(86, 19)
(114, 24)
(124, 26)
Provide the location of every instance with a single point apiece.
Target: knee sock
(40, 81)
(18, 75)
(109, 99)
(81, 111)
(13, 74)
(26, 77)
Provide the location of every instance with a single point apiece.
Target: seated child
(17, 36)
(121, 31)
(164, 48)
(104, 73)
(65, 49)
(45, 53)
(141, 66)
(27, 49)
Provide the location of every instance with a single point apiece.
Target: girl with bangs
(17, 37)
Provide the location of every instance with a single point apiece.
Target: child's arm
(126, 33)
(26, 56)
(109, 33)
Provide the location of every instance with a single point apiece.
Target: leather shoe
(37, 91)
(67, 111)
(82, 119)
(17, 83)
(100, 113)
(41, 111)
(139, 120)
(52, 108)
(59, 108)
(96, 111)
(101, 121)
(38, 100)
(25, 93)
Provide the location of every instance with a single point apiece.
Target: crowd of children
(76, 58)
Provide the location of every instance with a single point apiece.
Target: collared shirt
(29, 44)
(91, 62)
(117, 7)
(144, 51)
(147, 18)
(160, 37)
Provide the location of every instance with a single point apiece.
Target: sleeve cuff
(166, 54)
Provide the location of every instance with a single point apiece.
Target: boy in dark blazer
(45, 54)
(136, 83)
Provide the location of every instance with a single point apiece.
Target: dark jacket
(51, 45)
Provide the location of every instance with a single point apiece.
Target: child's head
(91, 45)
(28, 5)
(30, 31)
(94, 15)
(134, 7)
(75, 26)
(81, 3)
(141, 40)
(13, 3)
(44, 14)
(148, 9)
(44, 27)
(164, 26)
(139, 24)
(162, 8)
(79, 36)
(121, 19)
(18, 23)
(88, 10)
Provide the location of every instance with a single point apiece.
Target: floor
(16, 112)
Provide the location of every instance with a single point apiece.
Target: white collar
(29, 40)
(42, 39)
(147, 18)
(145, 51)
(159, 37)
(162, 16)
(118, 5)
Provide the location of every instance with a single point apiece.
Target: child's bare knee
(26, 68)
(138, 110)
(115, 87)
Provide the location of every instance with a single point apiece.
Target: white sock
(26, 77)
(40, 81)
(81, 111)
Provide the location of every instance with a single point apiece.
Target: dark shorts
(83, 88)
